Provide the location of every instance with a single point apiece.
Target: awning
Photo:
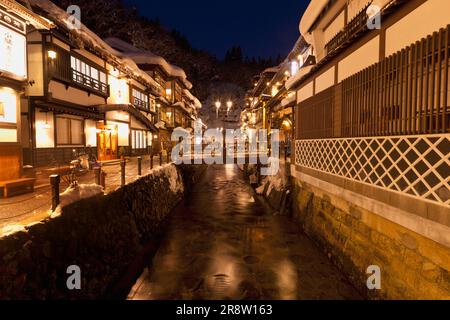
(69, 108)
(131, 110)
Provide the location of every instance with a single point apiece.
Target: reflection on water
(287, 280)
(222, 244)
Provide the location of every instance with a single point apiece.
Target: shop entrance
(107, 139)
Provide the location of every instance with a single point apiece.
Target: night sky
(261, 27)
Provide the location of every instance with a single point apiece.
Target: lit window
(139, 139)
(87, 75)
(140, 99)
(69, 131)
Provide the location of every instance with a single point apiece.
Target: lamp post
(218, 104)
(229, 106)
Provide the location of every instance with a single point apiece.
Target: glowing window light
(8, 105)
(52, 54)
(294, 68)
(13, 52)
(46, 125)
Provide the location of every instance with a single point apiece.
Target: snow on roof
(134, 68)
(300, 74)
(272, 69)
(183, 106)
(56, 13)
(288, 100)
(160, 125)
(61, 16)
(23, 11)
(309, 17)
(197, 102)
(146, 57)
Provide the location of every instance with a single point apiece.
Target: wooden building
(372, 124)
(83, 97)
(176, 106)
(16, 23)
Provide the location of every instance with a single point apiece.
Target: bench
(19, 186)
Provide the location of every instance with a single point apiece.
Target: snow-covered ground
(76, 193)
(277, 182)
(87, 190)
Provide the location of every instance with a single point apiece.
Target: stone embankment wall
(102, 235)
(275, 188)
(412, 266)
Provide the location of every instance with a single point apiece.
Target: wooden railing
(139, 103)
(90, 82)
(355, 26)
(404, 94)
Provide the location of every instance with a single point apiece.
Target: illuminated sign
(294, 68)
(8, 105)
(12, 46)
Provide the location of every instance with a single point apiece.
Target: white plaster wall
(426, 19)
(35, 70)
(119, 90)
(45, 137)
(360, 59)
(356, 6)
(90, 131)
(135, 124)
(325, 80)
(74, 95)
(123, 133)
(334, 28)
(306, 92)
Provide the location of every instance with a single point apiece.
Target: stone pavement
(33, 207)
(222, 243)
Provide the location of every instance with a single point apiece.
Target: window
(140, 99)
(8, 115)
(139, 139)
(69, 131)
(152, 104)
(178, 92)
(159, 79)
(178, 119)
(88, 76)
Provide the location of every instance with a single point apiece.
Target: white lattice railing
(415, 165)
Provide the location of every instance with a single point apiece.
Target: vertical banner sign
(12, 46)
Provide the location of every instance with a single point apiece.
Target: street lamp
(218, 104)
(229, 105)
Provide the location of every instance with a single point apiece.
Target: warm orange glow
(52, 54)
(286, 124)
(13, 56)
(8, 105)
